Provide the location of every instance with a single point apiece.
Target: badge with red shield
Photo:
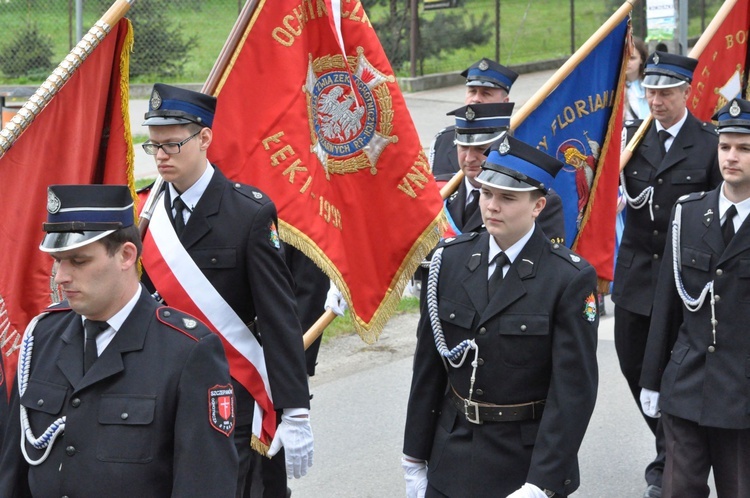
(221, 408)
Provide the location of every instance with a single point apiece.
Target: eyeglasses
(169, 148)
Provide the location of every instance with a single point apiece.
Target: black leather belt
(478, 413)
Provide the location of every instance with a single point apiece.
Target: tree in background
(438, 37)
(28, 55)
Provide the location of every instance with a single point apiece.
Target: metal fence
(179, 40)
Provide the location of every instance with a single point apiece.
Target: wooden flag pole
(695, 53)
(64, 71)
(557, 78)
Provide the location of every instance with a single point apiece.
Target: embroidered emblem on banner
(273, 235)
(221, 408)
(589, 308)
(348, 131)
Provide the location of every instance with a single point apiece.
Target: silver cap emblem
(155, 100)
(734, 109)
(470, 114)
(483, 66)
(53, 202)
(504, 147)
(656, 59)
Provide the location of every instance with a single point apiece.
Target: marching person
(486, 82)
(502, 413)
(696, 371)
(677, 156)
(220, 238)
(117, 396)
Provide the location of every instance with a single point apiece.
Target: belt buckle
(469, 407)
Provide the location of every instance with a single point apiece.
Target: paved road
(358, 413)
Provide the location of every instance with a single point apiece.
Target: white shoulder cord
(691, 303)
(647, 196)
(57, 427)
(462, 350)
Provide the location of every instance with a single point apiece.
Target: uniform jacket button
(480, 362)
(167, 313)
(40, 402)
(213, 261)
(660, 181)
(523, 328)
(482, 331)
(124, 416)
(76, 402)
(719, 272)
(656, 256)
(711, 349)
(70, 450)
(717, 298)
(480, 392)
(452, 316)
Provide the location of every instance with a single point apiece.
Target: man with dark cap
(677, 156)
(219, 239)
(486, 82)
(505, 370)
(118, 396)
(477, 127)
(696, 370)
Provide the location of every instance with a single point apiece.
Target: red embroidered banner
(330, 140)
(722, 66)
(82, 136)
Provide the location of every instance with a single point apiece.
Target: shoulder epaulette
(569, 256)
(464, 237)
(691, 197)
(61, 306)
(445, 130)
(709, 128)
(182, 322)
(250, 192)
(632, 123)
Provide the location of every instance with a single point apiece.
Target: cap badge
(53, 202)
(470, 114)
(504, 147)
(155, 100)
(190, 324)
(734, 109)
(656, 58)
(483, 66)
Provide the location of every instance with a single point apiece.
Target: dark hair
(116, 239)
(537, 194)
(642, 49)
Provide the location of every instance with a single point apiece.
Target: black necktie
(471, 207)
(501, 259)
(727, 229)
(93, 328)
(179, 218)
(663, 136)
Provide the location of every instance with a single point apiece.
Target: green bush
(29, 54)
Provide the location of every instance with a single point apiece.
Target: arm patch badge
(273, 235)
(221, 408)
(589, 308)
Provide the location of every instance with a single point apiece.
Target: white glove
(415, 474)
(528, 490)
(295, 435)
(650, 403)
(335, 301)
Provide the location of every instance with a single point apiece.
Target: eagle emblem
(350, 117)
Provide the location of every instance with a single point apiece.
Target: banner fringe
(370, 331)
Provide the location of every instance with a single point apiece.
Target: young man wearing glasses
(223, 248)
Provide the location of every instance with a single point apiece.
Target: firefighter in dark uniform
(505, 370)
(229, 232)
(486, 82)
(655, 177)
(696, 372)
(119, 397)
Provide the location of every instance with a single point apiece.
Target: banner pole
(62, 73)
(555, 80)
